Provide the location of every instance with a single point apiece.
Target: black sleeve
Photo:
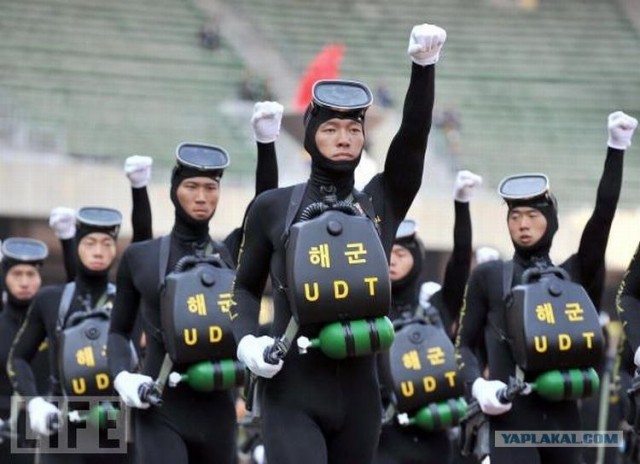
(24, 348)
(69, 258)
(595, 236)
(141, 215)
(123, 318)
(473, 317)
(252, 271)
(459, 264)
(404, 164)
(266, 168)
(628, 301)
(266, 179)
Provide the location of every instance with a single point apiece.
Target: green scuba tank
(341, 340)
(437, 416)
(208, 376)
(567, 384)
(97, 416)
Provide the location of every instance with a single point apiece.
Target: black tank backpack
(554, 332)
(196, 312)
(421, 372)
(338, 275)
(82, 345)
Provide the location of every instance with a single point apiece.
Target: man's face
(340, 139)
(526, 225)
(97, 251)
(400, 264)
(198, 197)
(23, 281)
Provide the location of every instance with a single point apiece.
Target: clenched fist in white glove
(251, 352)
(41, 414)
(621, 127)
(486, 392)
(266, 121)
(127, 384)
(138, 170)
(425, 43)
(63, 222)
(465, 184)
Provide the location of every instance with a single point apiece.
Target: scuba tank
(436, 416)
(566, 384)
(208, 376)
(340, 340)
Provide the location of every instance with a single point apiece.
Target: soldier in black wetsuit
(532, 224)
(317, 409)
(411, 444)
(21, 262)
(96, 233)
(190, 426)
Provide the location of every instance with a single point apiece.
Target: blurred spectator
(210, 34)
(449, 122)
(383, 96)
(254, 88)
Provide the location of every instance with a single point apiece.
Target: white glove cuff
(618, 145)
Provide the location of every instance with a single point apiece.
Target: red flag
(326, 65)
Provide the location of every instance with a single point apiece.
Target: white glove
(425, 43)
(485, 253)
(427, 290)
(40, 411)
(251, 353)
(486, 392)
(63, 222)
(127, 384)
(621, 127)
(464, 186)
(636, 358)
(266, 120)
(138, 170)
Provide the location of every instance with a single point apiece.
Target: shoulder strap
(223, 251)
(65, 304)
(294, 205)
(364, 201)
(163, 258)
(507, 279)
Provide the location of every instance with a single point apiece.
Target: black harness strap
(67, 297)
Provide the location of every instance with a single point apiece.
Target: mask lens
(99, 217)
(342, 95)
(523, 187)
(203, 157)
(407, 229)
(24, 249)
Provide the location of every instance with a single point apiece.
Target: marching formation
(359, 361)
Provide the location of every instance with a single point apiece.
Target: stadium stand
(119, 77)
(533, 85)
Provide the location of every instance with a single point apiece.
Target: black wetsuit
(316, 409)
(483, 314)
(190, 426)
(11, 319)
(448, 299)
(40, 323)
(411, 444)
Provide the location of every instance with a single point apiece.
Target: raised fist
(465, 184)
(138, 170)
(266, 120)
(621, 127)
(63, 222)
(425, 43)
